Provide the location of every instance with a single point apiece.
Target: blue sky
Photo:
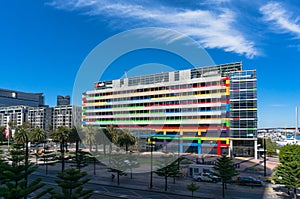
(43, 43)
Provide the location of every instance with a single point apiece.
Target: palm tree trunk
(26, 164)
(62, 156)
(223, 189)
(118, 173)
(66, 145)
(166, 183)
(76, 148)
(295, 193)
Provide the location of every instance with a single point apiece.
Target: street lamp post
(151, 170)
(178, 161)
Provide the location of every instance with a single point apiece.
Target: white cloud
(212, 29)
(280, 18)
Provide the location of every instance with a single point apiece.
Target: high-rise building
(63, 100)
(201, 110)
(68, 115)
(40, 117)
(16, 98)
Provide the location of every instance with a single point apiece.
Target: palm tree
(22, 136)
(74, 137)
(111, 134)
(37, 135)
(90, 133)
(61, 134)
(125, 138)
(2, 133)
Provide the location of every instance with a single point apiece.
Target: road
(137, 187)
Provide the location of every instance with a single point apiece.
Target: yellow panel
(227, 91)
(228, 81)
(214, 138)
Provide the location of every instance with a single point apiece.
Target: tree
(22, 136)
(289, 175)
(74, 137)
(111, 134)
(90, 133)
(38, 135)
(48, 159)
(14, 177)
(2, 134)
(81, 160)
(192, 187)
(61, 134)
(288, 172)
(100, 138)
(289, 153)
(71, 184)
(225, 170)
(167, 168)
(131, 161)
(271, 146)
(118, 165)
(125, 138)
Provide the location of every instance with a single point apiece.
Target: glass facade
(199, 109)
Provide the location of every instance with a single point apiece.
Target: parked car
(249, 181)
(206, 177)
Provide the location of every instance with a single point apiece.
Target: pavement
(140, 181)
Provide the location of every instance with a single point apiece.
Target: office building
(200, 110)
(63, 100)
(16, 98)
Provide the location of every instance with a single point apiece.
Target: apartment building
(40, 117)
(17, 115)
(66, 115)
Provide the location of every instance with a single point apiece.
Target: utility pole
(265, 155)
(296, 129)
(7, 131)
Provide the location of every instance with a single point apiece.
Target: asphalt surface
(138, 187)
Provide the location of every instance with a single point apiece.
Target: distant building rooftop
(15, 98)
